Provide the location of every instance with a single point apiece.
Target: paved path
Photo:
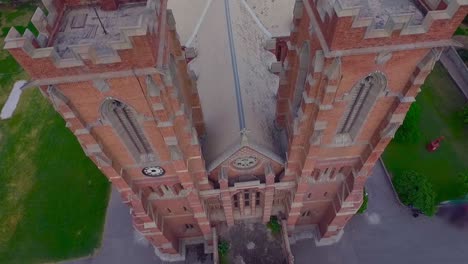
(387, 233)
(12, 101)
(456, 68)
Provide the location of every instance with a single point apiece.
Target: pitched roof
(236, 88)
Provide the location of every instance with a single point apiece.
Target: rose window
(245, 162)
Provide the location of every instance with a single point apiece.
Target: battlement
(70, 34)
(382, 17)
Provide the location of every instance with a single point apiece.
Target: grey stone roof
(236, 88)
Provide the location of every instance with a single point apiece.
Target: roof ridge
(200, 20)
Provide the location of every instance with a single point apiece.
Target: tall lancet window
(123, 120)
(304, 63)
(362, 98)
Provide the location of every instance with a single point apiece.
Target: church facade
(203, 114)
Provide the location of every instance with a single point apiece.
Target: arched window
(123, 120)
(304, 62)
(363, 96)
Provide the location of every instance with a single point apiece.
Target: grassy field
(53, 198)
(462, 30)
(440, 102)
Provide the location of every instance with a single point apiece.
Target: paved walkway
(456, 68)
(13, 99)
(253, 243)
(387, 233)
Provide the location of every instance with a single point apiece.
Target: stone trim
(92, 76)
(383, 57)
(101, 85)
(361, 51)
(395, 22)
(82, 51)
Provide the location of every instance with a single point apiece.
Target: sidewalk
(456, 68)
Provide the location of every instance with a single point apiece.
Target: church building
(207, 113)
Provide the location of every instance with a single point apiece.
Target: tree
(465, 114)
(416, 190)
(409, 130)
(365, 199)
(463, 179)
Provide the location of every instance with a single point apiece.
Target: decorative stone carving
(246, 162)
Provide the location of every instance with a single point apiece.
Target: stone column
(241, 202)
(269, 193)
(226, 197)
(253, 196)
(297, 204)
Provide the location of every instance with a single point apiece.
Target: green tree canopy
(463, 178)
(465, 109)
(416, 190)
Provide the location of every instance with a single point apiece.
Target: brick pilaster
(145, 225)
(226, 198)
(253, 205)
(297, 204)
(269, 193)
(241, 202)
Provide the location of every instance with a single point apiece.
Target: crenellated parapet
(382, 18)
(70, 35)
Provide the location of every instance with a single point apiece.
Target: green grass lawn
(440, 102)
(53, 198)
(462, 30)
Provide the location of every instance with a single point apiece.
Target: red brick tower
(353, 69)
(116, 73)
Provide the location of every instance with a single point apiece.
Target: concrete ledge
(329, 240)
(389, 178)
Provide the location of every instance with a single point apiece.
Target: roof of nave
(236, 88)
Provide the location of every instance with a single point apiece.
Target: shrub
(409, 130)
(463, 179)
(415, 190)
(223, 248)
(363, 207)
(274, 225)
(465, 114)
(460, 31)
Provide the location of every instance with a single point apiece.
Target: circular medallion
(153, 171)
(246, 162)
